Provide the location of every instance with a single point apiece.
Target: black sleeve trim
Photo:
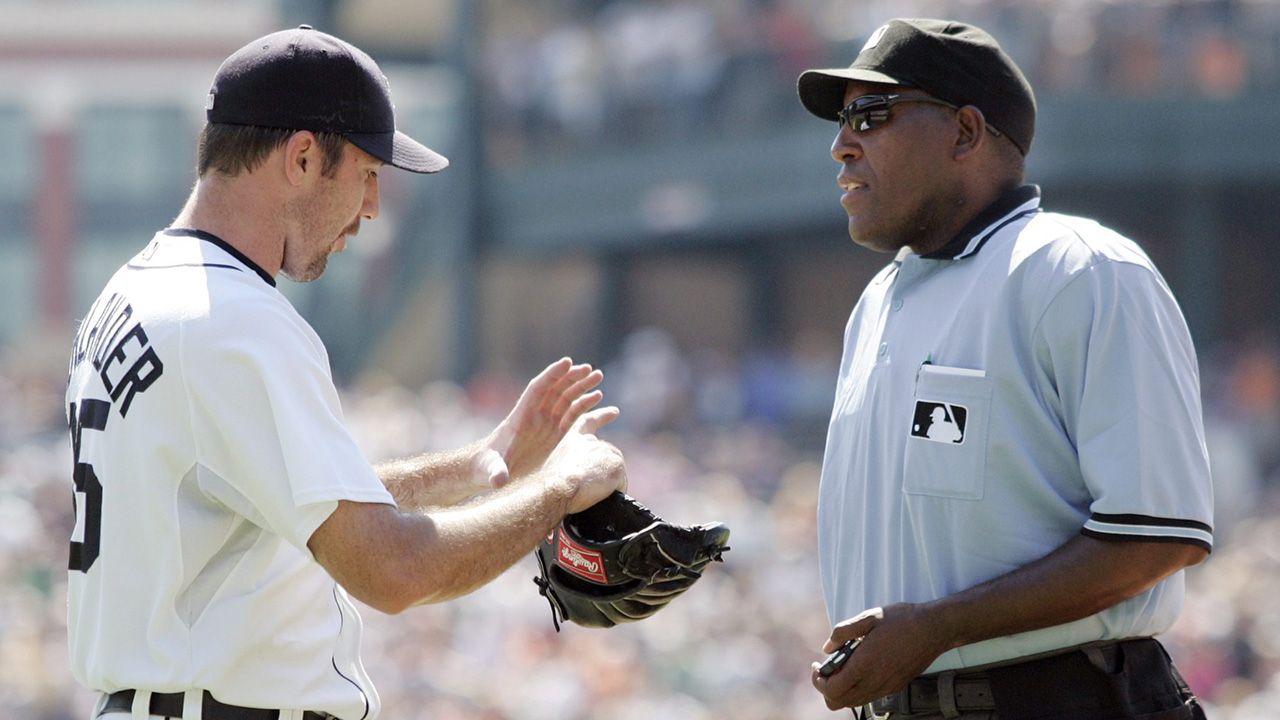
(1134, 519)
(1146, 538)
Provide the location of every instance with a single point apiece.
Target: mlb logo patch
(939, 422)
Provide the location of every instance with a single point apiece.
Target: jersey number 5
(90, 415)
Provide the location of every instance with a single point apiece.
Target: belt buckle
(872, 714)
(898, 703)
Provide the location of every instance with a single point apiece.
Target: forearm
(395, 557)
(434, 479)
(472, 544)
(391, 559)
(1080, 578)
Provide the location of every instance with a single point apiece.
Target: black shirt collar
(983, 224)
(231, 250)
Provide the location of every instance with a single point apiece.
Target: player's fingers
(580, 406)
(553, 392)
(541, 383)
(495, 470)
(564, 401)
(590, 422)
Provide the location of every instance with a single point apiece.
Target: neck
(244, 211)
(974, 196)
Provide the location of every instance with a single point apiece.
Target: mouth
(850, 187)
(340, 243)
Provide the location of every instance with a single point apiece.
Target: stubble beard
(306, 258)
(312, 268)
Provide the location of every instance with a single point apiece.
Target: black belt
(954, 692)
(948, 693)
(170, 705)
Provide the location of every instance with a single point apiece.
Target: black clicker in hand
(837, 659)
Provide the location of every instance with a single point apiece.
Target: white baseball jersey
(1031, 381)
(209, 444)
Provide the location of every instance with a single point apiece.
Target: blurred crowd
(582, 71)
(704, 441)
(708, 437)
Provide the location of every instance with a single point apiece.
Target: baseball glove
(618, 562)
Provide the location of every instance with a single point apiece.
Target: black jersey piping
(996, 229)
(237, 268)
(1005, 204)
(230, 250)
(342, 620)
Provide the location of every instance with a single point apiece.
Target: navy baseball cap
(303, 79)
(951, 61)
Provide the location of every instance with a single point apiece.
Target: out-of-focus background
(634, 184)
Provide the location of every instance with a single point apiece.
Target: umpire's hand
(898, 643)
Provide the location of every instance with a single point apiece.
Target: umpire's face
(899, 181)
(329, 211)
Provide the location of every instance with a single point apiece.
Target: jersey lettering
(144, 361)
(105, 339)
(97, 333)
(91, 415)
(127, 364)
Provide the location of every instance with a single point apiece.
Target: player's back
(181, 570)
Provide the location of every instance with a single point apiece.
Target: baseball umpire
(223, 510)
(1015, 472)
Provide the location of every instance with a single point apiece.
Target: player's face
(898, 188)
(329, 213)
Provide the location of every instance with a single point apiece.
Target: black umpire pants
(1127, 680)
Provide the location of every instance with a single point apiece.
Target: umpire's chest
(944, 312)
(921, 328)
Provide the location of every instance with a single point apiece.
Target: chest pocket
(946, 453)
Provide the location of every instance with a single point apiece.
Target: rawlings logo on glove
(618, 562)
(581, 561)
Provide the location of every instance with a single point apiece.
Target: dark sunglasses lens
(866, 112)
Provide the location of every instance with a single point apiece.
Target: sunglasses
(871, 111)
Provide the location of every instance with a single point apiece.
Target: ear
(301, 154)
(972, 133)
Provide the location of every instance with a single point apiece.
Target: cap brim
(400, 150)
(822, 91)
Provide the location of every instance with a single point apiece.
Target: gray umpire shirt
(1032, 380)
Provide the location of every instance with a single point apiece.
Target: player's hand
(899, 642)
(591, 467)
(550, 404)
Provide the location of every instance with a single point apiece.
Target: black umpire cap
(303, 79)
(951, 61)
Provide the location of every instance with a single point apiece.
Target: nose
(372, 202)
(845, 147)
